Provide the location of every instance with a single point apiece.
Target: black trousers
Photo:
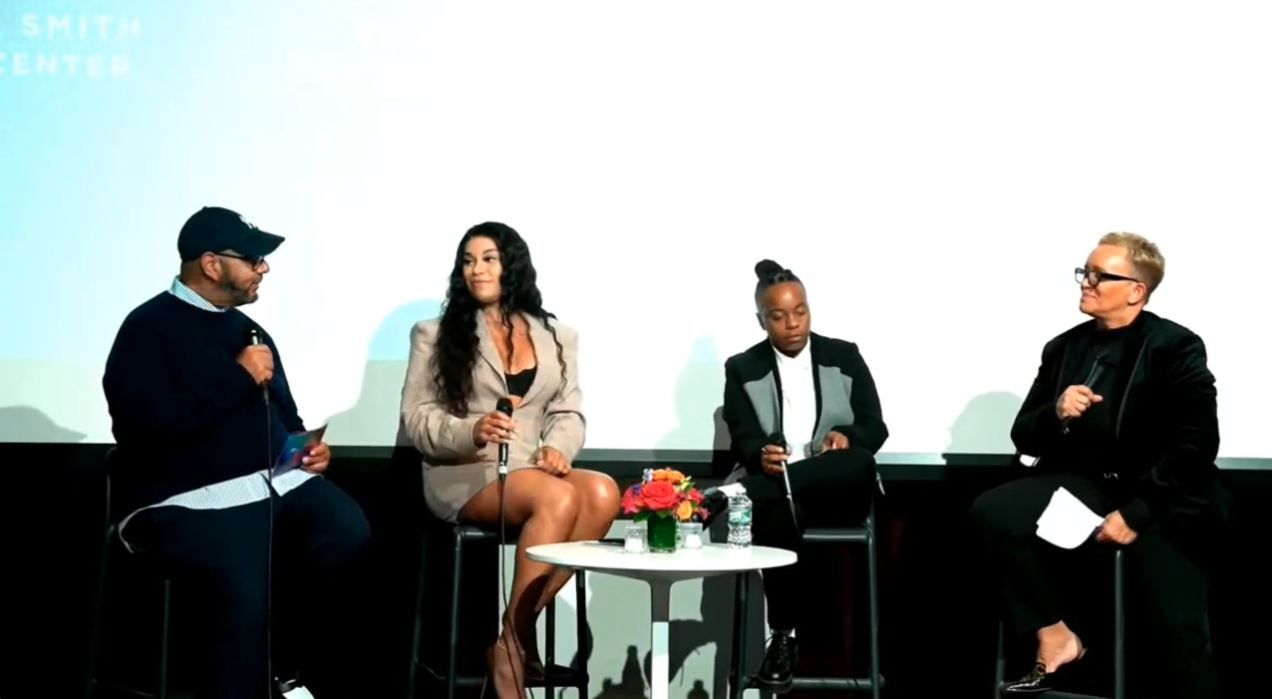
(1169, 583)
(833, 489)
(217, 559)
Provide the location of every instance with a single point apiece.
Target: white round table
(661, 571)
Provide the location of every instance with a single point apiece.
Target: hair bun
(767, 268)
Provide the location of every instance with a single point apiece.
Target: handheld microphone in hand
(254, 338)
(778, 439)
(504, 406)
(1093, 378)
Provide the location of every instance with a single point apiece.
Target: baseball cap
(213, 229)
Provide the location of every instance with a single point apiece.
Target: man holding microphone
(200, 415)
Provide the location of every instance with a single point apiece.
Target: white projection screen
(933, 170)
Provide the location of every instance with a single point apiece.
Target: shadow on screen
(983, 428)
(631, 684)
(22, 423)
(374, 418)
(699, 389)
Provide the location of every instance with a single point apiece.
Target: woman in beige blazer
(494, 340)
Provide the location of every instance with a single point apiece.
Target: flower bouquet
(663, 499)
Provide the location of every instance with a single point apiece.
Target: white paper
(1067, 522)
(298, 693)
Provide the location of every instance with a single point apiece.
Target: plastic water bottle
(739, 522)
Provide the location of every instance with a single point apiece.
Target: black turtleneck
(1161, 458)
(1091, 444)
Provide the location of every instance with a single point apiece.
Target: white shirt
(799, 401)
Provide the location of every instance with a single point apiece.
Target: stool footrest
(834, 536)
(827, 684)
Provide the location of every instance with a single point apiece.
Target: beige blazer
(550, 414)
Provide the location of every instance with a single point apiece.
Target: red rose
(659, 495)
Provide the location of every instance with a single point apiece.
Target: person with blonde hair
(1122, 415)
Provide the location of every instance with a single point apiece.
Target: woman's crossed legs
(579, 506)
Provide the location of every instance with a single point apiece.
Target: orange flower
(670, 475)
(684, 510)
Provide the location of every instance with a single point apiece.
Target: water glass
(634, 541)
(691, 533)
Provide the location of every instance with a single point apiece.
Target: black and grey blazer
(847, 401)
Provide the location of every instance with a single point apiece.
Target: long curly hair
(456, 350)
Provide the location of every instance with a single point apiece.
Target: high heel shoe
(504, 687)
(1038, 680)
(536, 673)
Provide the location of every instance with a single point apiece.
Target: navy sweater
(185, 413)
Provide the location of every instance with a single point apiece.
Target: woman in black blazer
(1138, 447)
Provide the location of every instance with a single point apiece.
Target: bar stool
(874, 683)
(110, 541)
(460, 536)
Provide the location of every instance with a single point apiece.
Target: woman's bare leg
(598, 499)
(546, 508)
(598, 508)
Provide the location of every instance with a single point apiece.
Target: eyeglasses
(1095, 276)
(254, 262)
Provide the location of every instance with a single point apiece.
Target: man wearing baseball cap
(213, 235)
(200, 415)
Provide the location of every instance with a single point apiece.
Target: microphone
(254, 338)
(778, 439)
(504, 406)
(1093, 377)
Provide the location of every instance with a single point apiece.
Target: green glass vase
(661, 533)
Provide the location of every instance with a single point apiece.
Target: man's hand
(834, 440)
(258, 360)
(773, 458)
(317, 458)
(1114, 530)
(552, 461)
(1074, 401)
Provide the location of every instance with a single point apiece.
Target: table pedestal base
(661, 571)
(660, 662)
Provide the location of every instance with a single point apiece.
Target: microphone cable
(778, 439)
(254, 337)
(504, 405)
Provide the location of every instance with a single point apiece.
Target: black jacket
(1166, 426)
(847, 401)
